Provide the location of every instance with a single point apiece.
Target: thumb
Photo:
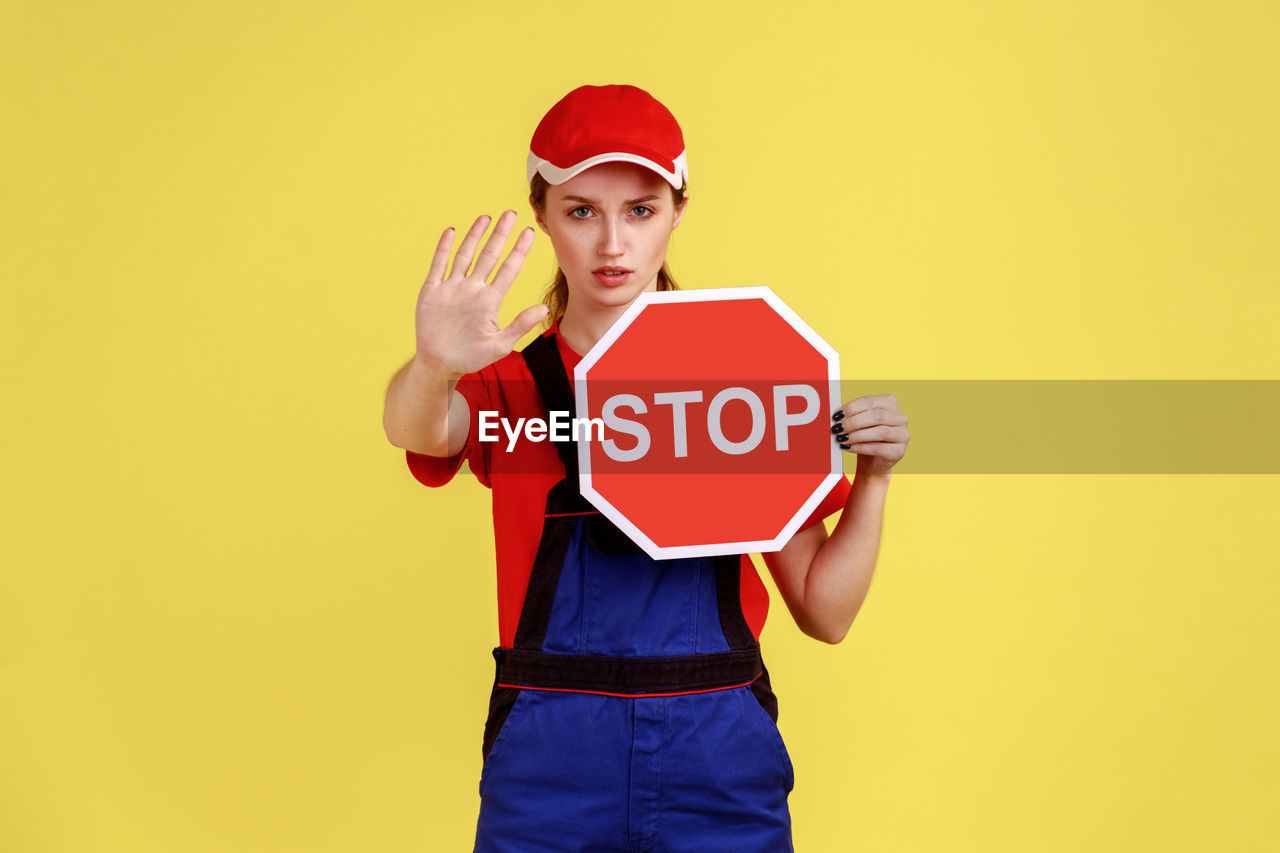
(522, 324)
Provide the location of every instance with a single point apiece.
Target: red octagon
(716, 408)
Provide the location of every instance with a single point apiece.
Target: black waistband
(627, 676)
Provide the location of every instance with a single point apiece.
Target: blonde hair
(556, 296)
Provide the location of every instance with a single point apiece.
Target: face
(609, 227)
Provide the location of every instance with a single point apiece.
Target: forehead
(612, 180)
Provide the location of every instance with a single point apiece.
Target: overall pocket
(499, 726)
(770, 731)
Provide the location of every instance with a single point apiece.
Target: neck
(582, 331)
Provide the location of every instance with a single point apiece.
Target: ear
(684, 205)
(538, 217)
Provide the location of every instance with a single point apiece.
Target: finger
(493, 246)
(881, 449)
(440, 259)
(514, 261)
(523, 324)
(466, 250)
(869, 417)
(879, 432)
(858, 404)
(870, 401)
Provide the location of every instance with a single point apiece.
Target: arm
(824, 580)
(423, 412)
(456, 326)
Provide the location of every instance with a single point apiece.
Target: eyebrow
(596, 201)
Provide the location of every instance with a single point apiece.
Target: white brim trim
(555, 175)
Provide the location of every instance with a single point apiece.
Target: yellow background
(230, 620)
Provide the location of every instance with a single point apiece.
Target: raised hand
(874, 428)
(457, 315)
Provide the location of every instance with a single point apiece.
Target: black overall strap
(552, 380)
(542, 357)
(736, 630)
(564, 500)
(544, 576)
(628, 676)
(737, 633)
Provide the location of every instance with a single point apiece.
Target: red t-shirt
(521, 478)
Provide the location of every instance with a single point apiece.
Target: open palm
(456, 322)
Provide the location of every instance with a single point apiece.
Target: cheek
(658, 246)
(562, 246)
(568, 238)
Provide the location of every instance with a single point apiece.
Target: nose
(611, 244)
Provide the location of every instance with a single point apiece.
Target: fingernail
(837, 416)
(838, 428)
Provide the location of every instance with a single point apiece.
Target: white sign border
(714, 294)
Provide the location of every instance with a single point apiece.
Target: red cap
(607, 124)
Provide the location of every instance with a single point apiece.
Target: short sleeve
(832, 503)
(437, 471)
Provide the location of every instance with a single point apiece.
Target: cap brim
(555, 175)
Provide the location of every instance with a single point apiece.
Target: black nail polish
(837, 416)
(838, 428)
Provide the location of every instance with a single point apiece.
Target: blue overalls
(633, 712)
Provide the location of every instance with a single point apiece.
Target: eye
(580, 212)
(642, 210)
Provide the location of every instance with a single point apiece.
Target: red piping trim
(563, 514)
(632, 695)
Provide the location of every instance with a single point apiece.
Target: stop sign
(711, 413)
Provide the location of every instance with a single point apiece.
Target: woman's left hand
(874, 428)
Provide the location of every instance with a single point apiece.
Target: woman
(630, 709)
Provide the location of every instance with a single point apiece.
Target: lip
(620, 275)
